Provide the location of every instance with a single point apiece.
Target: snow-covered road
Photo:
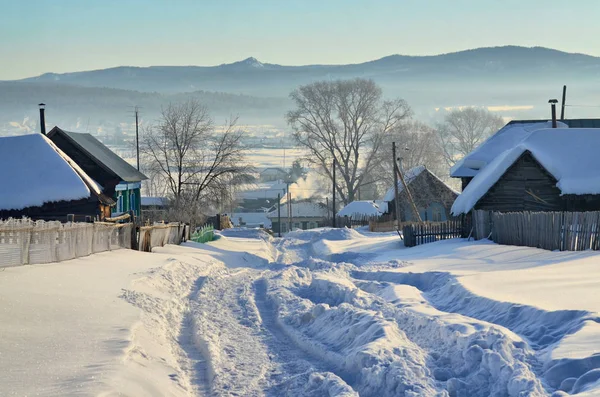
(339, 313)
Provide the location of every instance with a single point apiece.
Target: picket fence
(564, 231)
(428, 232)
(23, 241)
(204, 235)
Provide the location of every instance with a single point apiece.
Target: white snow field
(325, 312)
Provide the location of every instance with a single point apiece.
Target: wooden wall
(526, 186)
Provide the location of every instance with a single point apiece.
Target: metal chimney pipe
(553, 103)
(564, 103)
(42, 118)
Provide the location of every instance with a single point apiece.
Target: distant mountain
(516, 80)
(252, 77)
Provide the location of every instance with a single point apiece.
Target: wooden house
(506, 138)
(119, 179)
(433, 198)
(41, 182)
(555, 169)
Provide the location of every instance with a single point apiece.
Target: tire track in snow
(295, 361)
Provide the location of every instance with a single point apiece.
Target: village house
(272, 174)
(552, 169)
(304, 215)
(433, 198)
(119, 179)
(507, 138)
(363, 209)
(154, 209)
(41, 182)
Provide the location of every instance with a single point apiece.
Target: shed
(118, 178)
(40, 181)
(555, 169)
(433, 198)
(363, 208)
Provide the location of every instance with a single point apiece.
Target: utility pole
(279, 214)
(333, 203)
(410, 197)
(396, 195)
(137, 137)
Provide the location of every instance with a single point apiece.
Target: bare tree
(463, 130)
(417, 144)
(345, 120)
(197, 163)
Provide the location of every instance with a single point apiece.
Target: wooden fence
(23, 241)
(204, 234)
(160, 234)
(564, 231)
(428, 232)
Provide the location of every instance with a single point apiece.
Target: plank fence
(160, 234)
(27, 242)
(428, 232)
(564, 231)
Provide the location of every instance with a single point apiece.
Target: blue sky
(38, 36)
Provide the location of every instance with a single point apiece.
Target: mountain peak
(251, 61)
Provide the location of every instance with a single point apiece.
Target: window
(283, 227)
(120, 203)
(132, 201)
(312, 225)
(436, 213)
(297, 225)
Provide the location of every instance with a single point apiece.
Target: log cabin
(553, 169)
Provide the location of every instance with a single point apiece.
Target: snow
(327, 312)
(567, 154)
(34, 171)
(506, 138)
(409, 176)
(361, 208)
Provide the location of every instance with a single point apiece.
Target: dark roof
(572, 123)
(101, 155)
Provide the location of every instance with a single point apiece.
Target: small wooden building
(41, 182)
(119, 179)
(304, 215)
(551, 170)
(433, 198)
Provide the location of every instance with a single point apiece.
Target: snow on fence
(564, 231)
(159, 234)
(421, 233)
(23, 241)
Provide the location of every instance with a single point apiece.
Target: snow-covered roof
(361, 208)
(409, 176)
(251, 219)
(570, 155)
(506, 138)
(154, 201)
(302, 209)
(33, 171)
(266, 190)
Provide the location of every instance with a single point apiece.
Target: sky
(39, 36)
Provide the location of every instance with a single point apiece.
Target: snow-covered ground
(318, 313)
